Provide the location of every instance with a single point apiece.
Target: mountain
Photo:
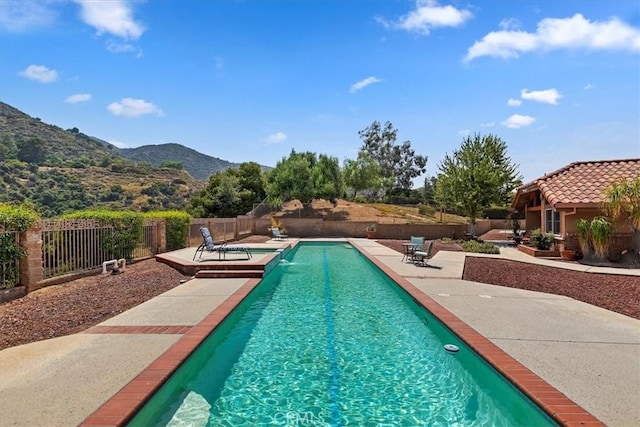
(57, 142)
(59, 171)
(199, 165)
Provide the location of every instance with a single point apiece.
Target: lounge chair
(421, 257)
(275, 232)
(222, 249)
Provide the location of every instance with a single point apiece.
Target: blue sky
(250, 80)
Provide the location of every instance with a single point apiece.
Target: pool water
(327, 339)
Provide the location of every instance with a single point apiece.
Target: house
(557, 200)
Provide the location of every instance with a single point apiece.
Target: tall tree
(622, 201)
(362, 174)
(398, 163)
(305, 177)
(477, 175)
(229, 193)
(327, 178)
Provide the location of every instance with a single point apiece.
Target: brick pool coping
(121, 408)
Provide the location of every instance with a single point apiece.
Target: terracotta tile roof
(583, 182)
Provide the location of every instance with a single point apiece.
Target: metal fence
(10, 259)
(72, 246)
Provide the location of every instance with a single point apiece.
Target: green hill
(199, 165)
(60, 171)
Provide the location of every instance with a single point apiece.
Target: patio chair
(222, 249)
(415, 244)
(275, 232)
(421, 257)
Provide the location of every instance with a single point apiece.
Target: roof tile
(585, 182)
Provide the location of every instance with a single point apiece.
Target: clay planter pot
(371, 234)
(568, 255)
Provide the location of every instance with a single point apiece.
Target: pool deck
(589, 354)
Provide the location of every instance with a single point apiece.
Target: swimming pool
(327, 339)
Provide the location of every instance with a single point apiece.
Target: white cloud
(40, 73)
(25, 15)
(517, 121)
(589, 86)
(464, 132)
(78, 97)
(576, 32)
(130, 107)
(114, 17)
(428, 15)
(549, 96)
(364, 83)
(118, 144)
(488, 124)
(509, 24)
(274, 138)
(514, 102)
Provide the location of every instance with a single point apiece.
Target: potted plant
(371, 231)
(568, 254)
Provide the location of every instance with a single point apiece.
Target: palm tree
(622, 200)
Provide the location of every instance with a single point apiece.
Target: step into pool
(328, 339)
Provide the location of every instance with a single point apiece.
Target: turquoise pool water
(327, 339)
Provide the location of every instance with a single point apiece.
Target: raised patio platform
(264, 257)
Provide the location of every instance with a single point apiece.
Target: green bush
(127, 230)
(12, 218)
(177, 227)
(426, 210)
(542, 241)
(496, 212)
(481, 248)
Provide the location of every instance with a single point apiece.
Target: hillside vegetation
(199, 165)
(60, 171)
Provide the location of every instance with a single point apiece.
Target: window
(552, 223)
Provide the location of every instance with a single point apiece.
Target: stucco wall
(304, 227)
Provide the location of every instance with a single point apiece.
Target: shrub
(496, 212)
(481, 248)
(426, 210)
(177, 227)
(594, 236)
(542, 241)
(12, 218)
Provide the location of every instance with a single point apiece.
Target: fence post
(236, 233)
(31, 271)
(161, 232)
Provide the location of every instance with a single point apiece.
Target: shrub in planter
(542, 241)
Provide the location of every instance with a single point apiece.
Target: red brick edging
(118, 410)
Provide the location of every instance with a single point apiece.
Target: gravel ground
(614, 292)
(79, 304)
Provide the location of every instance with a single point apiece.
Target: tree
(305, 177)
(622, 201)
(327, 179)
(398, 163)
(362, 174)
(32, 151)
(477, 175)
(229, 193)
